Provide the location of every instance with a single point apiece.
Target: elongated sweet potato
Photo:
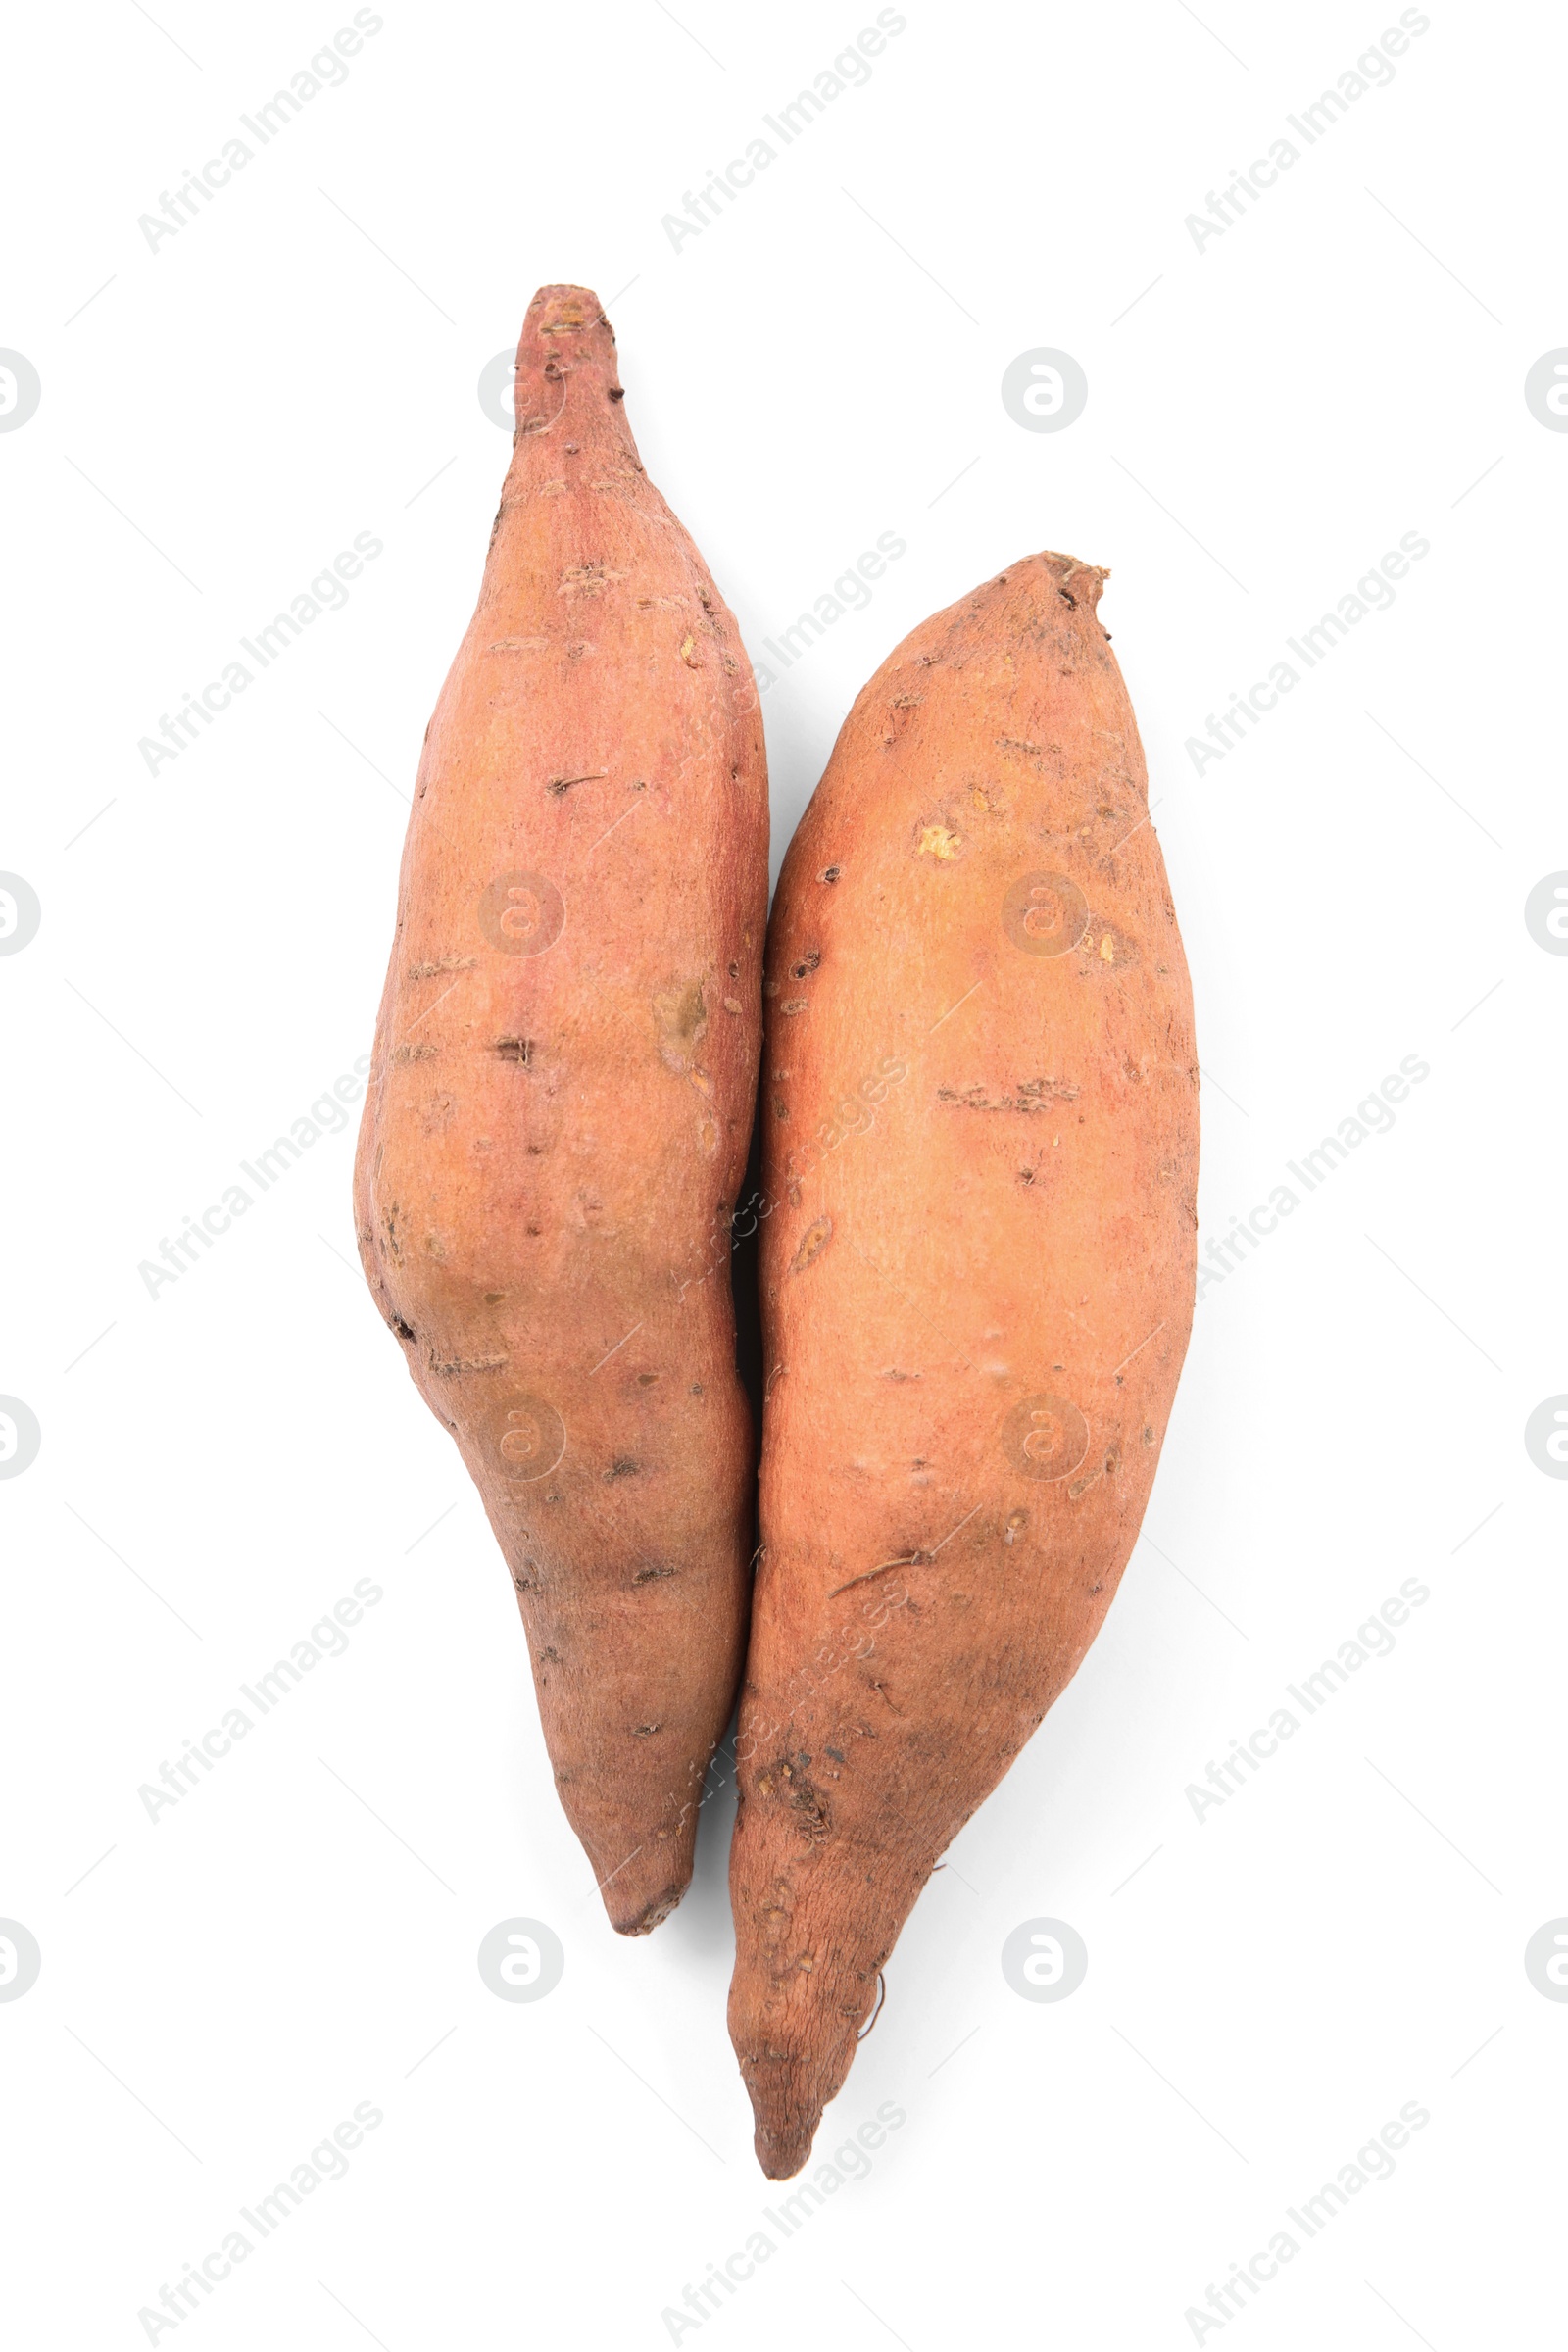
(980, 1123)
(561, 1098)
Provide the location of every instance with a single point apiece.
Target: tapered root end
(567, 379)
(1077, 585)
(642, 1876)
(783, 2148)
(651, 1915)
(791, 2070)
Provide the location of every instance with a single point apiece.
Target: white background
(220, 1463)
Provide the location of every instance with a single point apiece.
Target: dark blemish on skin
(813, 1242)
(697, 1388)
(734, 970)
(618, 392)
(460, 1365)
(494, 1298)
(894, 1374)
(830, 873)
(834, 1753)
(1149, 1437)
(405, 1330)
(652, 1576)
(646, 1380)
(621, 1467)
(643, 1730)
(444, 963)
(809, 1804)
(1029, 1095)
(515, 1049)
(807, 965)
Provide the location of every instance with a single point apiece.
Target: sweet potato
(561, 1098)
(980, 1136)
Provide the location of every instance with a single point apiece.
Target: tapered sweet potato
(561, 1098)
(980, 1136)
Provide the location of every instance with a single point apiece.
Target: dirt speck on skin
(805, 1802)
(682, 1018)
(813, 1242)
(442, 964)
(1030, 1094)
(937, 842)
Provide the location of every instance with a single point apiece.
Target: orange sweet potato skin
(980, 1137)
(561, 1098)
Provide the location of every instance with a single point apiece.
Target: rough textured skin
(980, 1136)
(561, 1098)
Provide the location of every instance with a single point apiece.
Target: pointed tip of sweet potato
(788, 2086)
(789, 2099)
(568, 376)
(631, 1920)
(641, 1879)
(1076, 583)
